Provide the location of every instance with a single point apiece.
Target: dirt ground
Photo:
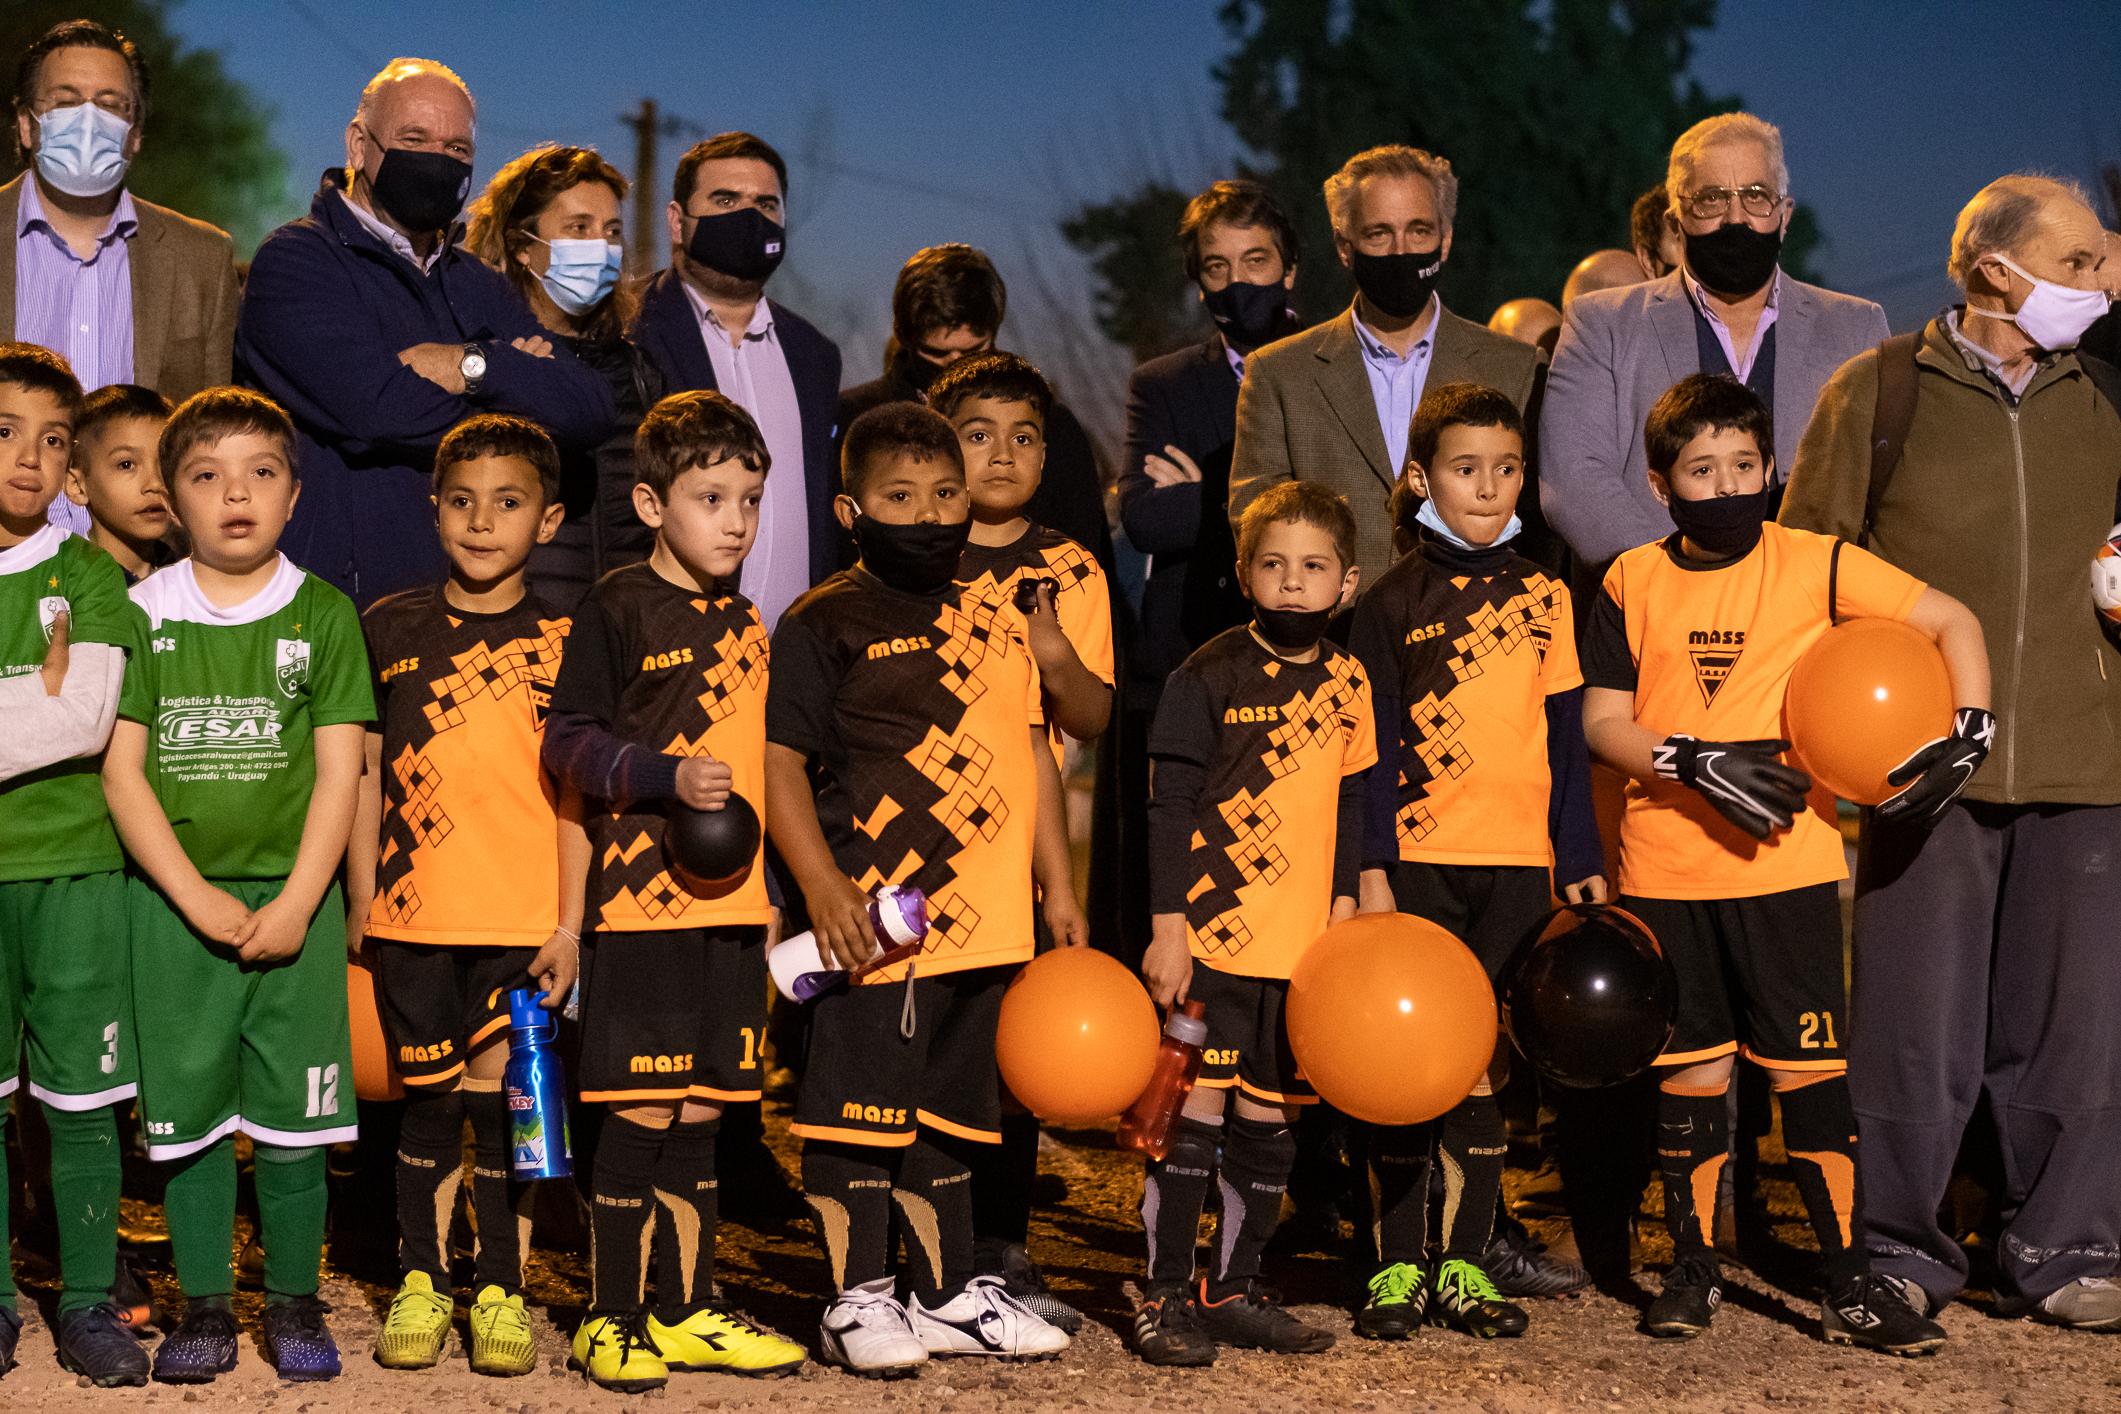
(1581, 1352)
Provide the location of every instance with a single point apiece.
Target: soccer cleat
(202, 1346)
(614, 1351)
(501, 1339)
(130, 1294)
(1398, 1304)
(984, 1319)
(713, 1339)
(2086, 1304)
(10, 1334)
(1465, 1300)
(97, 1343)
(1869, 1311)
(1693, 1289)
(1022, 1279)
(297, 1343)
(416, 1331)
(1520, 1265)
(1167, 1330)
(866, 1332)
(1249, 1317)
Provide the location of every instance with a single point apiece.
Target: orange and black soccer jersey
(1468, 660)
(1708, 650)
(915, 714)
(1082, 601)
(1255, 816)
(469, 851)
(682, 673)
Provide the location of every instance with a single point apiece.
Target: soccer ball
(2106, 578)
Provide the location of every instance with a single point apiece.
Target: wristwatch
(473, 367)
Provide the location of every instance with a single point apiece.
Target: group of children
(492, 783)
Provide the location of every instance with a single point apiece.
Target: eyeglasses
(1710, 202)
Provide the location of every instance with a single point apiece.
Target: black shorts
(1762, 976)
(1248, 1044)
(866, 1082)
(676, 1015)
(440, 1004)
(1494, 909)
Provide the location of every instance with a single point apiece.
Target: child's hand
(1343, 909)
(55, 656)
(703, 782)
(839, 915)
(218, 916)
(554, 969)
(1042, 629)
(1168, 964)
(1591, 890)
(356, 933)
(1374, 892)
(276, 934)
(1064, 919)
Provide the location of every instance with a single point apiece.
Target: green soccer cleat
(417, 1328)
(501, 1339)
(711, 1339)
(616, 1351)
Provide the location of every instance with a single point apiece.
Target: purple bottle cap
(900, 913)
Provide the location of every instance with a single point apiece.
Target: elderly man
(1527, 320)
(378, 334)
(1727, 309)
(1333, 403)
(1984, 956)
(1600, 270)
(127, 291)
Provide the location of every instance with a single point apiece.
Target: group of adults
(1983, 969)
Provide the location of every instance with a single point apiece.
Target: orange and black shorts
(673, 1015)
(884, 1060)
(1248, 1044)
(440, 1004)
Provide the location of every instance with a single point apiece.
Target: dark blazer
(1185, 399)
(667, 330)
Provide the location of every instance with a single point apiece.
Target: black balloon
(711, 848)
(1591, 1000)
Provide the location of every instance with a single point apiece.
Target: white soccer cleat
(984, 1319)
(866, 1332)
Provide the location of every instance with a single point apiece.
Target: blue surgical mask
(81, 149)
(1427, 516)
(581, 274)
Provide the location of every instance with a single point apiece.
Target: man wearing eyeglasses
(125, 290)
(1728, 308)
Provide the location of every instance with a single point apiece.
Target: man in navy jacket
(378, 334)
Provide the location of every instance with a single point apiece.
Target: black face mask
(421, 191)
(1248, 315)
(913, 559)
(1399, 285)
(745, 244)
(1734, 259)
(1722, 525)
(1292, 629)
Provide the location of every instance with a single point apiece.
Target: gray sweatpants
(1988, 955)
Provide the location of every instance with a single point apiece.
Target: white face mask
(81, 149)
(1428, 516)
(2053, 316)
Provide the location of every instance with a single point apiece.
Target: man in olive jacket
(1984, 936)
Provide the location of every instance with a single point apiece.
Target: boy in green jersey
(232, 776)
(64, 625)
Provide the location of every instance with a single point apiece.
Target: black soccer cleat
(1167, 1330)
(98, 1344)
(1868, 1311)
(296, 1341)
(202, 1346)
(1250, 1318)
(1693, 1289)
(1465, 1300)
(1398, 1303)
(1022, 1279)
(1520, 1265)
(10, 1334)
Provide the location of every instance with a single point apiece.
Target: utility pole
(648, 125)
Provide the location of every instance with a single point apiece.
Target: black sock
(622, 1207)
(1471, 1142)
(1819, 1130)
(430, 1171)
(1257, 1157)
(685, 1194)
(1002, 1176)
(1692, 1141)
(500, 1204)
(1399, 1193)
(849, 1188)
(1174, 1194)
(934, 1193)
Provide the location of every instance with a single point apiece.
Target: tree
(207, 150)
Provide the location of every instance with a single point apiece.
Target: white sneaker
(984, 1319)
(866, 1332)
(2086, 1304)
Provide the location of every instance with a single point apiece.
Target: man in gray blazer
(1332, 404)
(1728, 308)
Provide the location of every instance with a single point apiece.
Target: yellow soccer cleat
(617, 1353)
(709, 1339)
(501, 1341)
(417, 1328)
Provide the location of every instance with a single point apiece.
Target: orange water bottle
(1146, 1126)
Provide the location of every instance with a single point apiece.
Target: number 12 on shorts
(323, 1091)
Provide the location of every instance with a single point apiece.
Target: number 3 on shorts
(323, 1091)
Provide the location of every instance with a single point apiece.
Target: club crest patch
(291, 664)
(48, 610)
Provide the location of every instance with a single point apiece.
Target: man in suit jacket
(706, 323)
(127, 291)
(1333, 403)
(1728, 308)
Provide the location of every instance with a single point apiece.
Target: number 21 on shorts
(323, 1091)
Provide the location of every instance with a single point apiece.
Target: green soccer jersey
(53, 823)
(230, 699)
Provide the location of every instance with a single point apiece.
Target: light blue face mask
(581, 274)
(81, 149)
(1427, 516)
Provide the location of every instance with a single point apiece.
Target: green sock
(86, 1177)
(291, 1201)
(200, 1204)
(7, 1201)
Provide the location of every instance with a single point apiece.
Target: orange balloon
(373, 1076)
(1077, 1037)
(1391, 1018)
(1865, 697)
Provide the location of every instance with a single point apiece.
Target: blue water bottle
(537, 1091)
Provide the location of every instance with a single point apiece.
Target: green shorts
(64, 986)
(228, 1045)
